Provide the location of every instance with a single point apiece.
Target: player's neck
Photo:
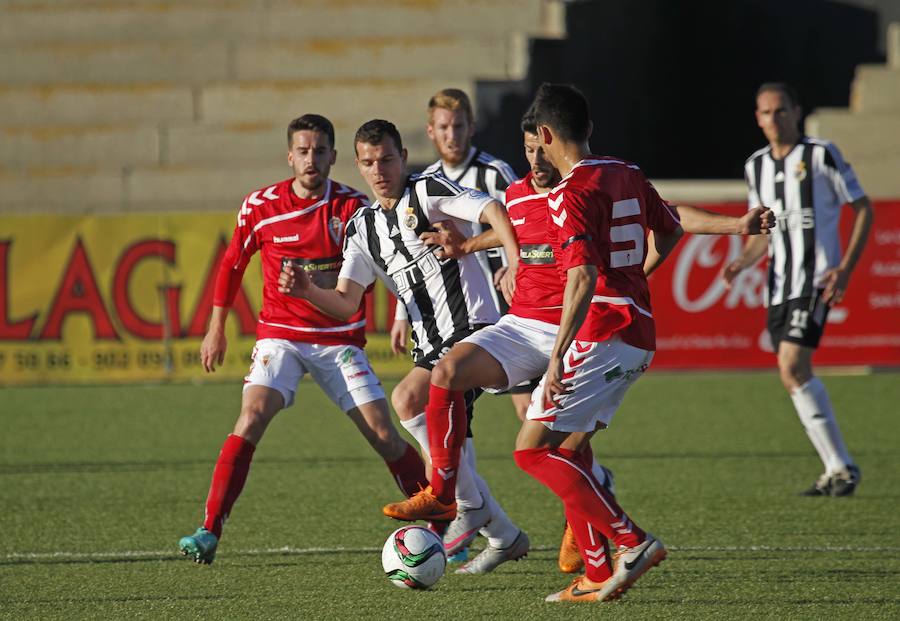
(782, 147)
(569, 155)
(308, 193)
(457, 163)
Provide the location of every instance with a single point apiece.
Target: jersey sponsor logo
(795, 219)
(325, 264)
(536, 254)
(800, 171)
(284, 240)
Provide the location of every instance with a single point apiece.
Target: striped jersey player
(446, 299)
(806, 182)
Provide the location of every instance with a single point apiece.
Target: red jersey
(283, 226)
(539, 291)
(601, 214)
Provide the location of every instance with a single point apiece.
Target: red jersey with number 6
(308, 232)
(600, 214)
(539, 292)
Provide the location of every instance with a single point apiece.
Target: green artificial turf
(98, 483)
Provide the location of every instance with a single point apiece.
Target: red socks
(593, 545)
(445, 416)
(228, 480)
(409, 471)
(582, 496)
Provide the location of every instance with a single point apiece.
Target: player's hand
(508, 282)
(730, 272)
(757, 220)
(293, 282)
(212, 350)
(399, 337)
(835, 281)
(554, 387)
(447, 236)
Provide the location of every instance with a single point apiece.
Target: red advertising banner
(703, 325)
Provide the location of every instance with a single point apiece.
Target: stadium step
(498, 58)
(861, 137)
(88, 145)
(876, 88)
(198, 20)
(893, 45)
(94, 104)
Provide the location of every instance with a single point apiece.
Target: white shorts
(521, 346)
(342, 371)
(599, 374)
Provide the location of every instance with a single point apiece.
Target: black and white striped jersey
(805, 190)
(441, 297)
(484, 172)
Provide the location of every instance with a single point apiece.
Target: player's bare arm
(659, 246)
(580, 283)
(753, 250)
(212, 350)
(341, 302)
(454, 244)
(837, 279)
(495, 215)
(700, 221)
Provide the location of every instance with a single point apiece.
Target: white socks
(814, 409)
(500, 531)
(471, 490)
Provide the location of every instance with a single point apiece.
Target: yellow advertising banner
(124, 298)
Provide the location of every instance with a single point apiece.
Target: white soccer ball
(413, 557)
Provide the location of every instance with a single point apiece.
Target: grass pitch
(97, 485)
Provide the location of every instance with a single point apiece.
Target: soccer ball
(413, 557)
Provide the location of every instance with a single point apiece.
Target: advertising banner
(95, 299)
(124, 298)
(703, 325)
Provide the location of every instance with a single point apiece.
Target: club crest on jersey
(335, 226)
(410, 221)
(800, 171)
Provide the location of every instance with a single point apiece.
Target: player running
(502, 353)
(446, 299)
(300, 222)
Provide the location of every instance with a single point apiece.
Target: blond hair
(452, 99)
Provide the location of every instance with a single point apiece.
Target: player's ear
(403, 155)
(590, 129)
(333, 156)
(290, 158)
(545, 135)
(429, 129)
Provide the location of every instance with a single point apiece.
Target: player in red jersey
(519, 346)
(301, 221)
(600, 213)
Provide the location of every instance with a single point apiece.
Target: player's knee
(444, 373)
(404, 402)
(793, 374)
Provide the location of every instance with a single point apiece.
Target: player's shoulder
(269, 193)
(520, 188)
(345, 192)
(831, 155)
(758, 154)
(434, 184)
(486, 160)
(434, 168)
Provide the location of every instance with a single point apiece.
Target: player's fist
(447, 236)
(293, 282)
(757, 220)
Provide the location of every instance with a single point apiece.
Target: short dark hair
(780, 87)
(311, 122)
(565, 109)
(374, 131)
(528, 125)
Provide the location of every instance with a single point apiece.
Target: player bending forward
(519, 346)
(300, 222)
(446, 299)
